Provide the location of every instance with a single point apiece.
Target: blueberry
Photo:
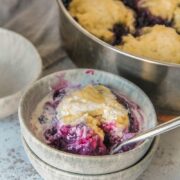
(66, 3)
(50, 132)
(119, 30)
(59, 94)
(131, 3)
(42, 119)
(107, 140)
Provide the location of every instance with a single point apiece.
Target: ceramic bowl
(48, 172)
(78, 163)
(20, 65)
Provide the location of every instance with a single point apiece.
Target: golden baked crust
(161, 8)
(99, 17)
(157, 42)
(176, 21)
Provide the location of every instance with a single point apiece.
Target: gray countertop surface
(14, 164)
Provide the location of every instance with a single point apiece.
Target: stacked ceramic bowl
(53, 164)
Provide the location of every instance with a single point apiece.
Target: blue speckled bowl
(78, 163)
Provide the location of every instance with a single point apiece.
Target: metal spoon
(162, 128)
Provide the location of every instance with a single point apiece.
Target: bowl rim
(67, 154)
(152, 149)
(103, 43)
(38, 61)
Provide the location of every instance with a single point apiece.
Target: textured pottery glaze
(20, 65)
(48, 172)
(78, 163)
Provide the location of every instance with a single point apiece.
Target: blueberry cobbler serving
(146, 28)
(86, 120)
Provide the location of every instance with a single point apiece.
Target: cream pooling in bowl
(86, 120)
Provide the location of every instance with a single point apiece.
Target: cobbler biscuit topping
(160, 8)
(99, 17)
(158, 42)
(86, 120)
(132, 25)
(176, 20)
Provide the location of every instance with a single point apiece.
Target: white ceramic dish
(48, 172)
(20, 65)
(78, 163)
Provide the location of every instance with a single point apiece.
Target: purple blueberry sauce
(81, 139)
(78, 139)
(134, 125)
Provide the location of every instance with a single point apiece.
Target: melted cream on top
(92, 105)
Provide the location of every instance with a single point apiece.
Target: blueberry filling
(76, 19)
(71, 139)
(134, 125)
(42, 119)
(131, 3)
(66, 3)
(128, 147)
(50, 133)
(119, 30)
(81, 139)
(59, 94)
(144, 16)
(107, 141)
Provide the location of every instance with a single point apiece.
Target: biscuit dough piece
(99, 17)
(159, 43)
(160, 8)
(176, 22)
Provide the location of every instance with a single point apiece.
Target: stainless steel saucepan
(161, 81)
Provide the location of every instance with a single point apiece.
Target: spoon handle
(162, 128)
